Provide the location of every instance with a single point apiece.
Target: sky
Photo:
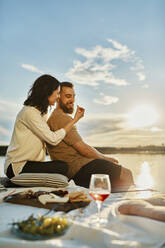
(111, 50)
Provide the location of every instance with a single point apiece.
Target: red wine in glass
(99, 190)
(100, 196)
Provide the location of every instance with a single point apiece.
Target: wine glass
(99, 190)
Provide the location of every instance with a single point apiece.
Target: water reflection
(145, 181)
(148, 169)
(145, 178)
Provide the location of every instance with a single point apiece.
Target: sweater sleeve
(38, 125)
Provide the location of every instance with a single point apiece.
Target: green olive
(42, 225)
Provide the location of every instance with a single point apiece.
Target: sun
(142, 115)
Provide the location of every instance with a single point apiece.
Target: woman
(26, 152)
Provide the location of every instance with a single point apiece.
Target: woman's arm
(36, 123)
(78, 115)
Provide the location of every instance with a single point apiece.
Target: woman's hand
(79, 113)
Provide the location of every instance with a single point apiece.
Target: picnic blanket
(120, 230)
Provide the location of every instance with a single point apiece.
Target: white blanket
(120, 231)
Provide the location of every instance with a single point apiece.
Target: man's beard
(65, 109)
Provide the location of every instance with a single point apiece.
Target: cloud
(145, 86)
(156, 129)
(141, 76)
(81, 74)
(5, 134)
(125, 138)
(121, 52)
(138, 64)
(100, 124)
(100, 64)
(138, 67)
(91, 74)
(8, 111)
(31, 68)
(4, 131)
(106, 100)
(112, 130)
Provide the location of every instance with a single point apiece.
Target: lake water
(148, 170)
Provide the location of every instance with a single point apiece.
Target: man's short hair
(66, 84)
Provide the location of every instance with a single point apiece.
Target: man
(83, 160)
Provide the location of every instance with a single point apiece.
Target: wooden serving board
(34, 202)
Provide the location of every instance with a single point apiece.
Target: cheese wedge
(49, 198)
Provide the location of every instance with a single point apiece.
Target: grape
(42, 225)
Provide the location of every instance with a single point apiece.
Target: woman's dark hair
(41, 89)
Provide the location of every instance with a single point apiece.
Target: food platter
(40, 227)
(30, 198)
(36, 229)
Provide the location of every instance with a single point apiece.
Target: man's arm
(74, 139)
(90, 152)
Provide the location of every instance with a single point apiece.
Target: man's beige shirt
(65, 150)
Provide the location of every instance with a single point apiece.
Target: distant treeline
(110, 150)
(138, 149)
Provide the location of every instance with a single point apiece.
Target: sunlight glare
(145, 180)
(142, 116)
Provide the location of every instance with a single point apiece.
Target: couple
(70, 155)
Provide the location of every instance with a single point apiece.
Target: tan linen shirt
(65, 150)
(28, 139)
